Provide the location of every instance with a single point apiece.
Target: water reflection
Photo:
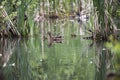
(73, 59)
(103, 61)
(54, 39)
(2, 75)
(6, 50)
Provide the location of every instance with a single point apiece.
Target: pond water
(73, 58)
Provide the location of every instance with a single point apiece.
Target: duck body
(54, 39)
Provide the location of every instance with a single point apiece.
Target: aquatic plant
(23, 14)
(104, 24)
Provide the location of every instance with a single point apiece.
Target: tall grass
(28, 7)
(104, 10)
(59, 8)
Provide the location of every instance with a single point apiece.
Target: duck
(73, 35)
(53, 39)
(82, 16)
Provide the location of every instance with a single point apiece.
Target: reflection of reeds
(6, 49)
(103, 59)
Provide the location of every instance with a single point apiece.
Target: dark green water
(73, 59)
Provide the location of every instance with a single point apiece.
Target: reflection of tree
(6, 49)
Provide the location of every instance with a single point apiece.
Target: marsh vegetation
(59, 39)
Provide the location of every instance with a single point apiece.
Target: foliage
(22, 12)
(114, 46)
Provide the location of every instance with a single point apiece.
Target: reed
(18, 11)
(10, 27)
(56, 9)
(104, 24)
